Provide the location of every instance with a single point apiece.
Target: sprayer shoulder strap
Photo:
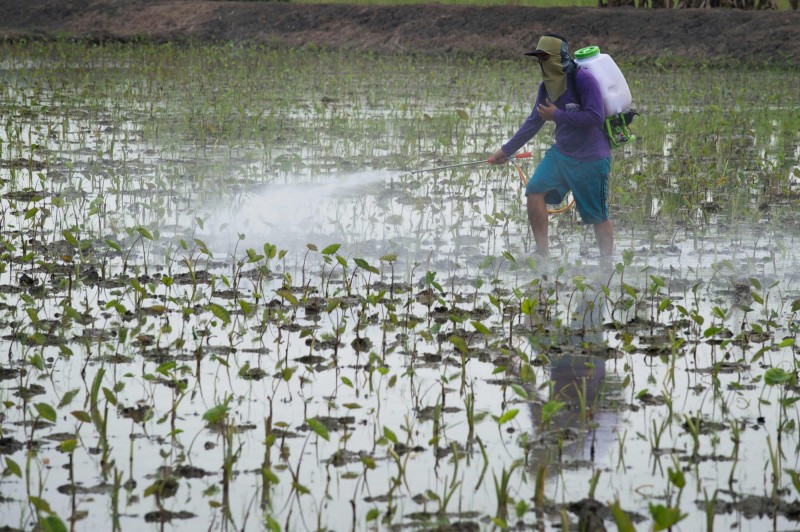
(573, 86)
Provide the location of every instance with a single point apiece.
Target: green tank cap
(586, 53)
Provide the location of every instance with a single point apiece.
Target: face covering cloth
(556, 67)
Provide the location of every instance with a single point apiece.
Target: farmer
(580, 158)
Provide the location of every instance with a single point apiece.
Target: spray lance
(513, 158)
(523, 155)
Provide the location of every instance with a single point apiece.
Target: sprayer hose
(525, 182)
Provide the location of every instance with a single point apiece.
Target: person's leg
(545, 185)
(604, 232)
(537, 216)
(589, 183)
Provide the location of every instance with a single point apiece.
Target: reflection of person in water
(576, 382)
(579, 428)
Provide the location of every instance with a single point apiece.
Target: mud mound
(498, 32)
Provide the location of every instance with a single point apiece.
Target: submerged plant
(392, 370)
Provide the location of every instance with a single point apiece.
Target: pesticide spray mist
(292, 215)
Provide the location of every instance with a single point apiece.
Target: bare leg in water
(604, 232)
(538, 218)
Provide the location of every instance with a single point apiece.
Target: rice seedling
(204, 242)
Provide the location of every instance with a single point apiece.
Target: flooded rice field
(230, 300)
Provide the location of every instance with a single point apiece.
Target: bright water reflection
(402, 385)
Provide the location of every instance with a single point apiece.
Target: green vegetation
(535, 3)
(781, 4)
(224, 298)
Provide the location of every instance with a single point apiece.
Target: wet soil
(716, 35)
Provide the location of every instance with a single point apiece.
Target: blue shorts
(557, 174)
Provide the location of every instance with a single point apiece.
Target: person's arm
(526, 131)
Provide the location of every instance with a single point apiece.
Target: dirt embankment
(710, 35)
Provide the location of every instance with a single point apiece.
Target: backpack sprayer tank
(616, 94)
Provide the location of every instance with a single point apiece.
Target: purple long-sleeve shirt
(579, 131)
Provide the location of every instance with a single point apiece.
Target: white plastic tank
(616, 94)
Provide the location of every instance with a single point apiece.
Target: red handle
(523, 155)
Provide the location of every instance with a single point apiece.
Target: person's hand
(547, 110)
(499, 157)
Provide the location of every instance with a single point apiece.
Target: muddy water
(399, 350)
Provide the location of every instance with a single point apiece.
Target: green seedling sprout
(501, 489)
(92, 176)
